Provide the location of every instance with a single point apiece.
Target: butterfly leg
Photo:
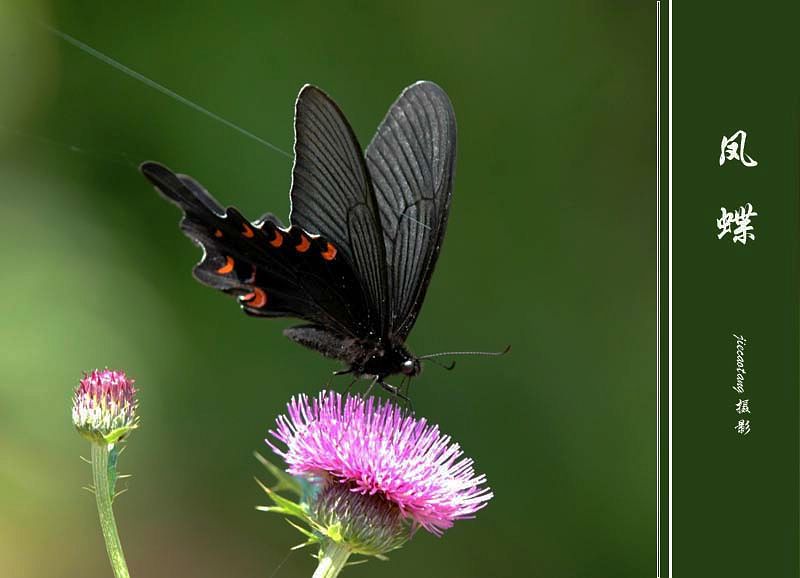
(345, 372)
(371, 385)
(408, 386)
(409, 403)
(397, 393)
(352, 383)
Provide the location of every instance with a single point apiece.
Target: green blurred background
(551, 247)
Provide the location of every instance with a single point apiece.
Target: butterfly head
(411, 367)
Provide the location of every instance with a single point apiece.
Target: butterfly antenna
(448, 367)
(490, 353)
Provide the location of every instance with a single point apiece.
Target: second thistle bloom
(104, 406)
(374, 449)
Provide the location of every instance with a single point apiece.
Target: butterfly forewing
(331, 195)
(411, 162)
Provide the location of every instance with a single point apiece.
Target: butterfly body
(365, 358)
(364, 236)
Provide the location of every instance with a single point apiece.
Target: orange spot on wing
(278, 240)
(329, 253)
(247, 232)
(257, 299)
(227, 267)
(304, 244)
(218, 234)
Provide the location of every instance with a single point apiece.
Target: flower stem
(332, 558)
(103, 491)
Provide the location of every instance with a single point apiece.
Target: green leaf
(312, 537)
(116, 435)
(283, 505)
(284, 480)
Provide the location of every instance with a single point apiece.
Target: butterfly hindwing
(411, 162)
(272, 271)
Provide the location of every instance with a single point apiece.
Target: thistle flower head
(104, 406)
(369, 524)
(373, 448)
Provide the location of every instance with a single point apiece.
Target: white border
(669, 298)
(658, 288)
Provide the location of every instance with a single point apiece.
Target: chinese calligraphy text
(732, 149)
(741, 217)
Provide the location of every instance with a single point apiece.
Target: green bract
(330, 511)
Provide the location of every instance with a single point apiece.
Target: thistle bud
(104, 406)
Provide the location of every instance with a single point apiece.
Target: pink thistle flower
(375, 448)
(104, 406)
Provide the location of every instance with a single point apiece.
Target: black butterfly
(365, 231)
